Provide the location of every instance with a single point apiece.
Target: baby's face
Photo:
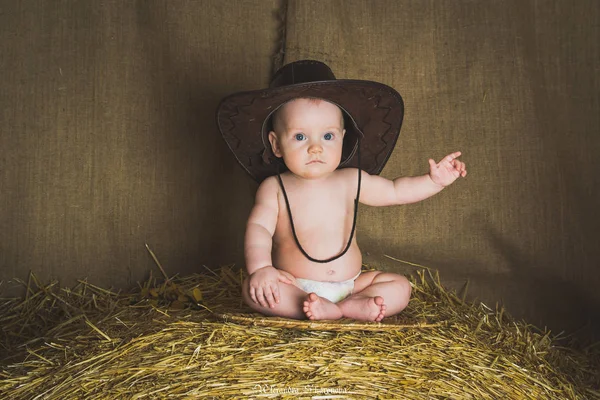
(308, 134)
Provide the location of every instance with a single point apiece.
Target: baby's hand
(264, 285)
(448, 170)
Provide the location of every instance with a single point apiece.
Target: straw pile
(192, 337)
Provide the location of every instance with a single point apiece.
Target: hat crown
(304, 71)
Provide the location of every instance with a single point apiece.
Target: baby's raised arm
(378, 191)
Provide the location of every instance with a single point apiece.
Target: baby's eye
(299, 136)
(328, 136)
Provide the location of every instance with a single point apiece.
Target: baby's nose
(315, 148)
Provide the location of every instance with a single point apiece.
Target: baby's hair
(276, 118)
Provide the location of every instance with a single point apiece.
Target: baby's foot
(316, 308)
(363, 308)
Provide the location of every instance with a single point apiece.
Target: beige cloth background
(108, 139)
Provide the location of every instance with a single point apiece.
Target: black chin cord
(287, 203)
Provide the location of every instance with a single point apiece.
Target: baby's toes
(312, 297)
(381, 313)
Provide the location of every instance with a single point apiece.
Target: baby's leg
(376, 294)
(291, 301)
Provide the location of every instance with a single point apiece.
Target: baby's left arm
(378, 191)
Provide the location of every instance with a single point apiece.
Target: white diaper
(332, 291)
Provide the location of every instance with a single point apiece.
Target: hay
(193, 337)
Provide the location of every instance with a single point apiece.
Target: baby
(308, 134)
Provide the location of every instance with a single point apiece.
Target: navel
(330, 272)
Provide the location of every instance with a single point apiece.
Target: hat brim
(375, 110)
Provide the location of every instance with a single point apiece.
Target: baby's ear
(274, 144)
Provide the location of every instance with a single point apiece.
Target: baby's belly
(287, 256)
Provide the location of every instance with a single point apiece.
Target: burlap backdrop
(108, 137)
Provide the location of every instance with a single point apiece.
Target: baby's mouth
(314, 162)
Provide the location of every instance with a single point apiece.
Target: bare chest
(316, 213)
(322, 219)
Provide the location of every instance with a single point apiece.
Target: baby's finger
(253, 294)
(269, 297)
(275, 290)
(261, 297)
(289, 278)
(452, 156)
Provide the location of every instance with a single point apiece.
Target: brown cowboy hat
(372, 111)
